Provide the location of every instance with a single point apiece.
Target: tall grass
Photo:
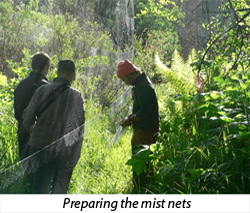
(101, 168)
(8, 136)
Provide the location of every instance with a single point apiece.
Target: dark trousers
(23, 139)
(24, 151)
(52, 176)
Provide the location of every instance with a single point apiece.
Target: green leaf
(3, 80)
(155, 147)
(212, 108)
(167, 168)
(242, 127)
(245, 85)
(245, 135)
(194, 130)
(229, 52)
(219, 79)
(142, 153)
(197, 64)
(207, 62)
(139, 159)
(214, 95)
(138, 165)
(196, 173)
(235, 77)
(226, 119)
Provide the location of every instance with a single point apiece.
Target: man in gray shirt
(55, 117)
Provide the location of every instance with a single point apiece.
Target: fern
(180, 75)
(178, 64)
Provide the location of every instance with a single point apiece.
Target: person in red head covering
(145, 114)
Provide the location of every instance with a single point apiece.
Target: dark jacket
(145, 106)
(24, 92)
(22, 96)
(63, 116)
(60, 127)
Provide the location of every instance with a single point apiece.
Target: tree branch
(219, 36)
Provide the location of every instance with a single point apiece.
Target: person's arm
(128, 121)
(146, 107)
(77, 146)
(29, 114)
(16, 109)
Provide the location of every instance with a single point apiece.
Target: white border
(54, 203)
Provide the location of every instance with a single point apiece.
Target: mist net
(103, 37)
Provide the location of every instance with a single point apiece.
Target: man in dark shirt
(23, 94)
(57, 130)
(145, 114)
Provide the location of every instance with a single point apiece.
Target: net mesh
(15, 179)
(94, 59)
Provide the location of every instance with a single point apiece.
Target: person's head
(127, 72)
(41, 63)
(66, 70)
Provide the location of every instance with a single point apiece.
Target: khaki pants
(144, 137)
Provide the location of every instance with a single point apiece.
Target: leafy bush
(204, 145)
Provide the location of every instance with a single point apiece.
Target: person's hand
(69, 167)
(32, 128)
(125, 122)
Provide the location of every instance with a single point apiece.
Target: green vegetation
(104, 174)
(204, 143)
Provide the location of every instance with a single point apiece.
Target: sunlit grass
(8, 137)
(103, 171)
(101, 168)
